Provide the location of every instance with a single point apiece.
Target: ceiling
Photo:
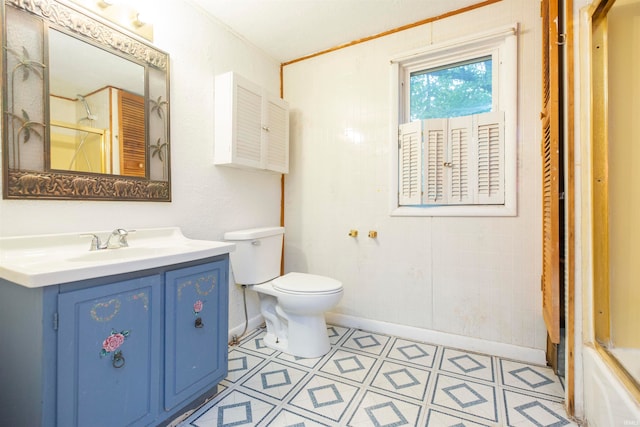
(290, 29)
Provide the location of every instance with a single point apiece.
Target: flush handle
(199, 323)
(256, 243)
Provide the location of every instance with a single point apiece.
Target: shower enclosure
(616, 186)
(79, 148)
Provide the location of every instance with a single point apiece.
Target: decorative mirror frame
(29, 121)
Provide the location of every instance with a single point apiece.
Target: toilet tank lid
(253, 233)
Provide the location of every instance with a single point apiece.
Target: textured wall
(477, 277)
(207, 200)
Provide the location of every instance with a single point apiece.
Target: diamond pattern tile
(523, 409)
(367, 342)
(240, 364)
(376, 409)
(473, 365)
(349, 365)
(438, 418)
(413, 352)
(404, 380)
(275, 380)
(536, 379)
(231, 409)
(372, 379)
(326, 397)
(464, 396)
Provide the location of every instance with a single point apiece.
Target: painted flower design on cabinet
(113, 342)
(197, 307)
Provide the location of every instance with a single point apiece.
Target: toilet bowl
(292, 305)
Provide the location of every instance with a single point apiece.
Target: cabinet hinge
(55, 321)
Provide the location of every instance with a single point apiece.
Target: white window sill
(459, 211)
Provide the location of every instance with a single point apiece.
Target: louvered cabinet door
(247, 124)
(251, 126)
(275, 132)
(132, 134)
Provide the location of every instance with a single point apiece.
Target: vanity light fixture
(122, 14)
(137, 20)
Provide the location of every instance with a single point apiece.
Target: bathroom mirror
(85, 107)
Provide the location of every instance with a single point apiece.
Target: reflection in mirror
(89, 90)
(86, 108)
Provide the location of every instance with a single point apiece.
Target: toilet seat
(307, 284)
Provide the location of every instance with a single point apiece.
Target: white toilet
(292, 305)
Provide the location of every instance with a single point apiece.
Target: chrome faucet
(117, 239)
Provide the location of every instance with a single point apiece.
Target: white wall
(474, 277)
(207, 200)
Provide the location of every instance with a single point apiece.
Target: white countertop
(51, 259)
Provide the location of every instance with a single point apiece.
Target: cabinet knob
(199, 323)
(265, 128)
(118, 360)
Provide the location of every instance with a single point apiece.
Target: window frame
(499, 43)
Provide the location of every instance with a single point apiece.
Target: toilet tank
(258, 254)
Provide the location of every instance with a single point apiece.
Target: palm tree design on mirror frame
(158, 106)
(25, 125)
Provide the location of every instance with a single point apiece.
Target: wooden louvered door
(132, 134)
(550, 148)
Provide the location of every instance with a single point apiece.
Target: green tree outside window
(459, 90)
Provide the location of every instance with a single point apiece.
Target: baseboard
(252, 324)
(507, 351)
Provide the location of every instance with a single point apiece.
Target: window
(455, 122)
(451, 91)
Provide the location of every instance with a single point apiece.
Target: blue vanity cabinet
(134, 349)
(196, 328)
(109, 346)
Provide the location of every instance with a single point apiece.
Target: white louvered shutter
(276, 132)
(461, 170)
(435, 134)
(248, 126)
(489, 129)
(410, 164)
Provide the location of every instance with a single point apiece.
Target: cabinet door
(276, 134)
(109, 354)
(247, 124)
(196, 330)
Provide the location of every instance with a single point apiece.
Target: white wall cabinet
(251, 125)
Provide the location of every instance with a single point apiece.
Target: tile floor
(369, 379)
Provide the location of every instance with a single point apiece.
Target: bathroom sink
(118, 254)
(35, 261)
